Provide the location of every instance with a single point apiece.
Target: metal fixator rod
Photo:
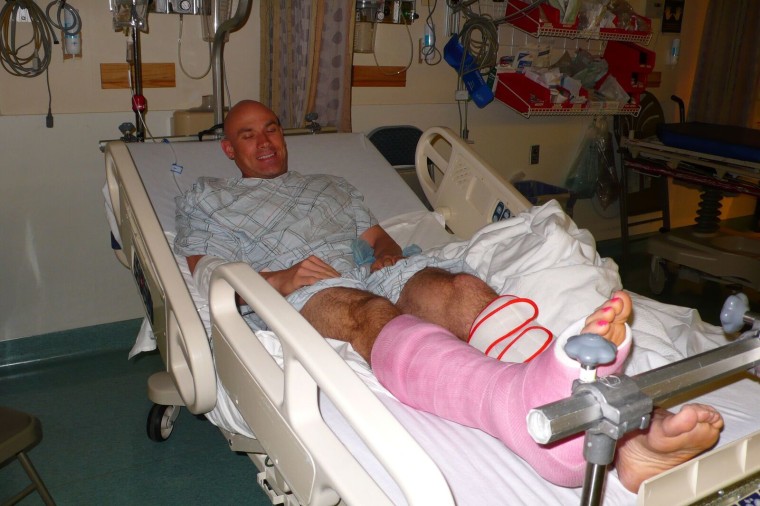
(585, 409)
(608, 408)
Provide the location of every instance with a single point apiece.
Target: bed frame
(299, 459)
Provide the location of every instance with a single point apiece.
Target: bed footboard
(281, 405)
(180, 335)
(462, 186)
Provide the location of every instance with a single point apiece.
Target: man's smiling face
(255, 141)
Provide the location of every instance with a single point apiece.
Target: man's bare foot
(671, 439)
(609, 320)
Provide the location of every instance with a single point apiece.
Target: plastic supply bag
(607, 184)
(593, 172)
(581, 179)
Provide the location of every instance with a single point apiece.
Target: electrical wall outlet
(654, 9)
(461, 95)
(22, 16)
(534, 151)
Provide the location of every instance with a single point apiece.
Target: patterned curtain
(727, 81)
(306, 50)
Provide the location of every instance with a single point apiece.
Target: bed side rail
(470, 194)
(179, 331)
(281, 405)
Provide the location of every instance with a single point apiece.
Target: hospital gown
(272, 224)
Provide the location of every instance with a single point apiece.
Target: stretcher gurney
(321, 433)
(719, 253)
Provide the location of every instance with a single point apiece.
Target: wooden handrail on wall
(154, 75)
(372, 75)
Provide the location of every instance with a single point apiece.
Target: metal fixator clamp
(615, 405)
(735, 313)
(606, 409)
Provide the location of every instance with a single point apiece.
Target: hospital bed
(307, 410)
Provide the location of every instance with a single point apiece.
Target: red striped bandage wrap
(507, 330)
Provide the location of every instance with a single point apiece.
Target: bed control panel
(501, 212)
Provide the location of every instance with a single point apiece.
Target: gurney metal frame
(722, 254)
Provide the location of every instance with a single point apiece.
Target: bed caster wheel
(659, 277)
(161, 422)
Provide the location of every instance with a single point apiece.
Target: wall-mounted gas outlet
(534, 150)
(654, 9)
(22, 16)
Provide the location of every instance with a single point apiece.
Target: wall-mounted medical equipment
(177, 6)
(364, 30)
(371, 12)
(129, 14)
(132, 16)
(66, 18)
(72, 32)
(398, 11)
(214, 12)
(27, 53)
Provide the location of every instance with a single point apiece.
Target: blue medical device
(479, 91)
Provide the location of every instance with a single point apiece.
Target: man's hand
(304, 273)
(384, 261)
(387, 252)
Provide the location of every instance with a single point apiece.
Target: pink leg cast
(428, 368)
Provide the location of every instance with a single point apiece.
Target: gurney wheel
(161, 422)
(659, 277)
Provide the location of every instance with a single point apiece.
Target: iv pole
(231, 25)
(132, 15)
(139, 102)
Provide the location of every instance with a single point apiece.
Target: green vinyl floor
(95, 450)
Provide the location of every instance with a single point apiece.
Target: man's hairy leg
(452, 301)
(350, 315)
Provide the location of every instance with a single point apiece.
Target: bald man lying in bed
(409, 318)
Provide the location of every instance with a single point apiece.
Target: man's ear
(228, 149)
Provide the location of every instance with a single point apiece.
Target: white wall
(56, 268)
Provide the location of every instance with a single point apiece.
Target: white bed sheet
(539, 254)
